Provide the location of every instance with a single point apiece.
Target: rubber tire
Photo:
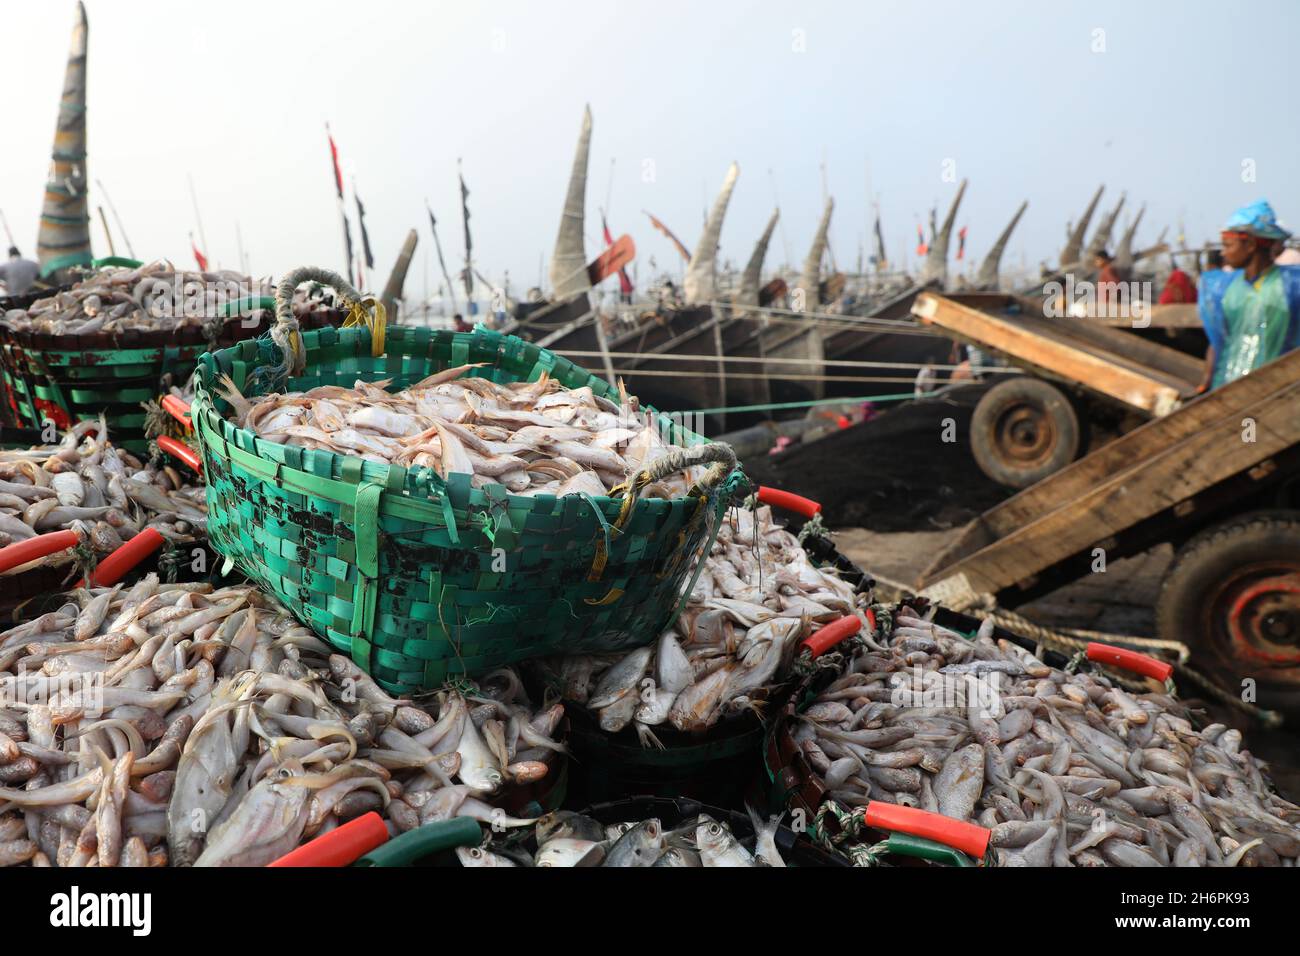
(1054, 404)
(1202, 563)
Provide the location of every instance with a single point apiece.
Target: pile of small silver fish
(565, 838)
(151, 297)
(758, 597)
(177, 724)
(1065, 769)
(88, 483)
(532, 437)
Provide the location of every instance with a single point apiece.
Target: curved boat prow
(64, 237)
(935, 269)
(700, 286)
(1074, 245)
(397, 278)
(1101, 239)
(1124, 254)
(747, 296)
(811, 278)
(986, 280)
(569, 261)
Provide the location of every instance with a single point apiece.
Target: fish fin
(647, 737)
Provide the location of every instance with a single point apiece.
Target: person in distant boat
(1108, 278)
(1178, 287)
(459, 324)
(1252, 314)
(18, 274)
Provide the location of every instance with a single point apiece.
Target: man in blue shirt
(1252, 314)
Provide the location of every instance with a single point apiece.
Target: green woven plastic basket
(419, 579)
(68, 378)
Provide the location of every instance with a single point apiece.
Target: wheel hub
(1263, 619)
(1025, 435)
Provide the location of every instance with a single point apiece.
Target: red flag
(334, 155)
(671, 238)
(199, 257)
(961, 242)
(921, 247)
(624, 283)
(338, 186)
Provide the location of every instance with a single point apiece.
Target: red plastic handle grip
(178, 409)
(20, 552)
(115, 567)
(1128, 660)
(342, 846)
(182, 451)
(788, 500)
(970, 839)
(819, 642)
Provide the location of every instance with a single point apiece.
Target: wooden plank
(1182, 369)
(1181, 316)
(1123, 453)
(1054, 355)
(1178, 471)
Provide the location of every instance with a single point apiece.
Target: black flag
(433, 227)
(365, 236)
(347, 239)
(468, 274)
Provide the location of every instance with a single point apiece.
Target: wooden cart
(1078, 371)
(1220, 479)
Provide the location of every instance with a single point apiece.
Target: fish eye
(715, 829)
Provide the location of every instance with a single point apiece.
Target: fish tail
(231, 393)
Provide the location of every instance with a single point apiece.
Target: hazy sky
(237, 94)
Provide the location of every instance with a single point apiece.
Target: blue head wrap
(1256, 219)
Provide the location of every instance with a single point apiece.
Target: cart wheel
(1233, 595)
(1023, 430)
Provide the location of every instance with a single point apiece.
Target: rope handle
(177, 408)
(722, 455)
(342, 846)
(1129, 660)
(286, 333)
(179, 450)
(788, 500)
(821, 641)
(41, 546)
(124, 559)
(971, 839)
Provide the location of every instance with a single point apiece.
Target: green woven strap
(367, 587)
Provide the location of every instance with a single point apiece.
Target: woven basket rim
(182, 336)
(204, 405)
